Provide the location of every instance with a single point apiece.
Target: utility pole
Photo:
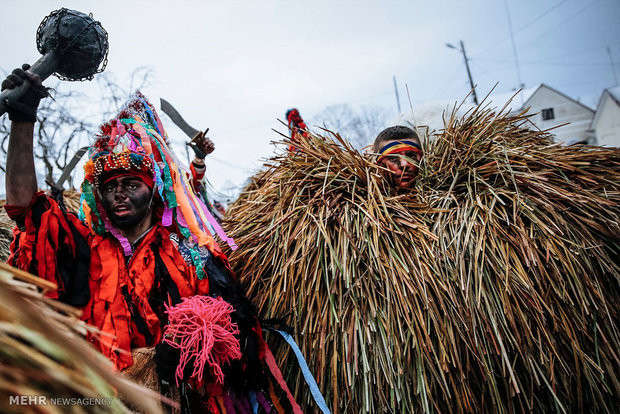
(613, 67)
(396, 91)
(514, 50)
(471, 81)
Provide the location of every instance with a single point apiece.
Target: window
(547, 114)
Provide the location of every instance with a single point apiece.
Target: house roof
(516, 98)
(614, 94)
(542, 85)
(431, 113)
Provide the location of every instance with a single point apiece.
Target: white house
(554, 109)
(571, 120)
(606, 122)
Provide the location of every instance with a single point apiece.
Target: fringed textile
(201, 327)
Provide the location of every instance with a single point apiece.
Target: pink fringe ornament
(201, 327)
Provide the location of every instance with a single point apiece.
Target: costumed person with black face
(140, 262)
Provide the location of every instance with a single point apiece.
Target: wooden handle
(44, 67)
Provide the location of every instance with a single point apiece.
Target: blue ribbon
(314, 388)
(253, 402)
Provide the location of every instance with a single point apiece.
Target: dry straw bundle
(6, 234)
(44, 358)
(491, 287)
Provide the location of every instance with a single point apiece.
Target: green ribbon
(87, 194)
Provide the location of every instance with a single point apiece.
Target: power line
(514, 48)
(558, 25)
(370, 97)
(598, 80)
(481, 69)
(613, 66)
(443, 88)
(545, 62)
(579, 52)
(244, 169)
(522, 27)
(244, 128)
(308, 116)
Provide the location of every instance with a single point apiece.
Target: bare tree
(115, 94)
(64, 126)
(58, 133)
(359, 126)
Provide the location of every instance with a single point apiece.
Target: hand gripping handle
(44, 67)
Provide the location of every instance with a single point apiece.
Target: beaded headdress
(136, 142)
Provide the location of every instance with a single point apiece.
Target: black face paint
(127, 201)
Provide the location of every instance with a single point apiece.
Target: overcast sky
(237, 66)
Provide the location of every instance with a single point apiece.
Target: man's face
(402, 168)
(126, 200)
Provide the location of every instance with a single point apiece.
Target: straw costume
(173, 286)
(47, 363)
(492, 286)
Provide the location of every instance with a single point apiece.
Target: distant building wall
(607, 122)
(553, 108)
(550, 107)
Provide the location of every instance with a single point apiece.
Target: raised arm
(20, 178)
(202, 147)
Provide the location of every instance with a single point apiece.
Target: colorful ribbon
(398, 147)
(305, 370)
(275, 371)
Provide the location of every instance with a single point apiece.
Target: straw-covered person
(399, 151)
(139, 260)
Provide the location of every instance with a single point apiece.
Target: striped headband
(398, 147)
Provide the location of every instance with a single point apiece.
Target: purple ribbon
(216, 226)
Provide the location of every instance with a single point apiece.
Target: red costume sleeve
(51, 243)
(198, 173)
(296, 126)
